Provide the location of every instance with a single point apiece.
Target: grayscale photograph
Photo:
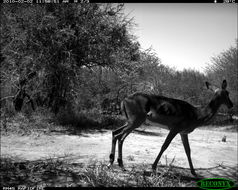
(118, 95)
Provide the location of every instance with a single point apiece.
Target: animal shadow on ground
(78, 131)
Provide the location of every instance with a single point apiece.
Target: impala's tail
(123, 108)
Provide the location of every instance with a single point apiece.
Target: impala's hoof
(194, 173)
(109, 165)
(120, 162)
(154, 167)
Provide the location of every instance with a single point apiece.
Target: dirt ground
(211, 157)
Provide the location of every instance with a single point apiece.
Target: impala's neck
(206, 113)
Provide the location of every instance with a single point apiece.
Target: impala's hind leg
(125, 132)
(114, 141)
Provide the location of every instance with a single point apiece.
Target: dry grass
(60, 173)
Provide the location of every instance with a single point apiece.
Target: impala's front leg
(167, 141)
(185, 141)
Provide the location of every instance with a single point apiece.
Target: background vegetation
(83, 59)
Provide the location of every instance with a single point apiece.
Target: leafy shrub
(88, 119)
(79, 120)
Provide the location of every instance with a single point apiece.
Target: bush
(88, 119)
(78, 120)
(27, 123)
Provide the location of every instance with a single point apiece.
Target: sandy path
(208, 150)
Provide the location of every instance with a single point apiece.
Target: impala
(175, 115)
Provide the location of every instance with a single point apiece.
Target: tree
(57, 41)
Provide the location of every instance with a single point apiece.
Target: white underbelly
(156, 124)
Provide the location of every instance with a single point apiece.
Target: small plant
(131, 158)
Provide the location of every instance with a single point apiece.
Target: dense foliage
(66, 47)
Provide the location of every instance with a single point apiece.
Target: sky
(184, 35)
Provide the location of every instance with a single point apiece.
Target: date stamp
(17, 1)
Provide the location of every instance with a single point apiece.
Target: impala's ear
(211, 87)
(224, 85)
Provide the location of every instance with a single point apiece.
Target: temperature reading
(229, 1)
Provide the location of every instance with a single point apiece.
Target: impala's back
(172, 113)
(166, 112)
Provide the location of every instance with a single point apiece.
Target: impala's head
(221, 95)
